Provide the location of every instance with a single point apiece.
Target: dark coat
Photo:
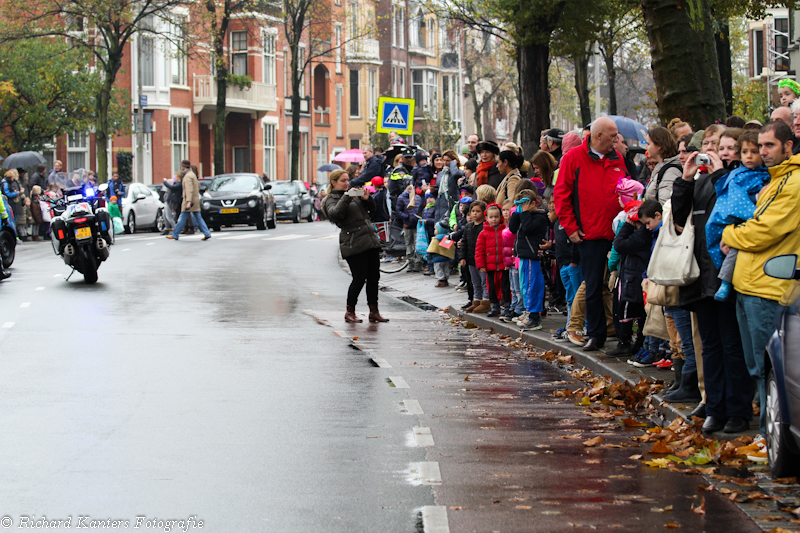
(494, 177)
(381, 209)
(530, 228)
(372, 169)
(565, 250)
(697, 197)
(175, 192)
(634, 247)
(352, 215)
(36, 210)
(469, 242)
(408, 217)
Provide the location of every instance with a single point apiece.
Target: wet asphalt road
(218, 380)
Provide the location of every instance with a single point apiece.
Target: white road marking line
(383, 363)
(241, 237)
(286, 237)
(412, 407)
(423, 436)
(429, 473)
(399, 382)
(150, 244)
(39, 288)
(57, 276)
(126, 250)
(434, 519)
(8, 324)
(25, 304)
(328, 238)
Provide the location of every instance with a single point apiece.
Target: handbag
(656, 324)
(45, 207)
(421, 246)
(666, 295)
(672, 261)
(436, 248)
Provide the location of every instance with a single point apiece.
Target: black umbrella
(330, 167)
(396, 149)
(23, 160)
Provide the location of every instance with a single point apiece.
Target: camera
(702, 160)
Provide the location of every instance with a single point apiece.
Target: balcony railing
(259, 97)
(322, 117)
(362, 48)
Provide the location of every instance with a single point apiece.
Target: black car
(240, 198)
(293, 201)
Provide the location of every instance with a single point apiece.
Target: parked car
(141, 208)
(204, 183)
(293, 201)
(159, 189)
(783, 374)
(239, 198)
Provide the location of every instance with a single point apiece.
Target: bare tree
(485, 77)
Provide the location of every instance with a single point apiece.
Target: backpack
(663, 171)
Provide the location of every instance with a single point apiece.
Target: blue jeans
(683, 323)
(756, 323)
(532, 286)
(571, 277)
(517, 304)
(199, 223)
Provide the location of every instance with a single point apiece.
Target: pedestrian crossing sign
(396, 114)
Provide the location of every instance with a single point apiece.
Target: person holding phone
(351, 210)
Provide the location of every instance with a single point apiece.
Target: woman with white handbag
(728, 386)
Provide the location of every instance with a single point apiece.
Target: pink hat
(628, 189)
(570, 141)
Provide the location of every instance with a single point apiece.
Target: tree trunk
(533, 65)
(101, 132)
(611, 76)
(295, 169)
(219, 121)
(722, 38)
(580, 62)
(684, 61)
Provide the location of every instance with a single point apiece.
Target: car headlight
(206, 195)
(289, 203)
(251, 203)
(206, 205)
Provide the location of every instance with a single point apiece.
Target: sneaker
(665, 364)
(559, 334)
(532, 324)
(494, 312)
(521, 319)
(646, 361)
(428, 273)
(511, 317)
(638, 356)
(623, 349)
(724, 291)
(466, 305)
(461, 288)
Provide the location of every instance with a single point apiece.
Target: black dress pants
(365, 268)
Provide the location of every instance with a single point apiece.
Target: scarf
(483, 173)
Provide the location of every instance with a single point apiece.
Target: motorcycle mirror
(103, 187)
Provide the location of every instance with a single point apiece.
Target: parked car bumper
(243, 215)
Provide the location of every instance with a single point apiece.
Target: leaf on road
(636, 457)
(458, 508)
(584, 401)
(701, 509)
(630, 422)
(524, 507)
(658, 463)
(593, 442)
(660, 447)
(661, 509)
(672, 525)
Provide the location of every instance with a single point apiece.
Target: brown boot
(484, 307)
(36, 238)
(350, 315)
(471, 308)
(375, 315)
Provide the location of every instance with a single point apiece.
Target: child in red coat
(489, 257)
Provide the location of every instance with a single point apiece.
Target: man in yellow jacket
(773, 230)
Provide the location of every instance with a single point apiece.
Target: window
(354, 107)
(781, 44)
(420, 29)
(353, 20)
(758, 37)
(77, 151)
(178, 56)
(418, 88)
(394, 81)
(147, 59)
(239, 50)
(301, 68)
(180, 141)
(401, 29)
(355, 144)
(338, 45)
(432, 92)
(373, 91)
(339, 104)
(432, 34)
(394, 26)
(270, 162)
(269, 58)
(402, 82)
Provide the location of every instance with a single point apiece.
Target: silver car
(142, 209)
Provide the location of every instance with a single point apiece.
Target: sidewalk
(421, 289)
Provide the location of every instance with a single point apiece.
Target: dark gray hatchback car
(239, 198)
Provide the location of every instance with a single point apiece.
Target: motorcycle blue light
(89, 192)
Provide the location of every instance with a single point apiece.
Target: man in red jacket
(586, 204)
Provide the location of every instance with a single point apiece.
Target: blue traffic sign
(396, 114)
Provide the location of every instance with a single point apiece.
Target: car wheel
(296, 218)
(216, 228)
(160, 223)
(130, 227)
(310, 216)
(273, 222)
(782, 460)
(261, 224)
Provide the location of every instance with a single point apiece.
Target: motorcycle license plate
(228, 211)
(83, 233)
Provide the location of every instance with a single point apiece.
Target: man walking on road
(191, 203)
(586, 204)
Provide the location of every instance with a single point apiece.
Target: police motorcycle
(81, 227)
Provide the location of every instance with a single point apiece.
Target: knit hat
(570, 141)
(628, 189)
(377, 181)
(488, 145)
(790, 84)
(632, 210)
(421, 156)
(697, 139)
